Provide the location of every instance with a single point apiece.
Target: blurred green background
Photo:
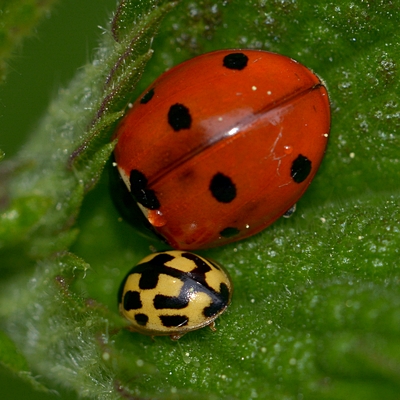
(46, 61)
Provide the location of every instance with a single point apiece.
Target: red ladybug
(220, 146)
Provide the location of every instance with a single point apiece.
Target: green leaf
(316, 306)
(11, 358)
(68, 333)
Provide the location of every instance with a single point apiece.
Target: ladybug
(174, 292)
(220, 146)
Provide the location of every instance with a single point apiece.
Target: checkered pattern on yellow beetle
(174, 292)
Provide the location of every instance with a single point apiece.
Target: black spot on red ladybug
(129, 209)
(301, 168)
(187, 175)
(141, 319)
(179, 117)
(132, 300)
(229, 232)
(222, 188)
(174, 320)
(144, 196)
(147, 97)
(236, 61)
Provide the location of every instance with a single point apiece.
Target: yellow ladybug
(174, 292)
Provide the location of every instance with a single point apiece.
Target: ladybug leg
(212, 326)
(290, 212)
(176, 336)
